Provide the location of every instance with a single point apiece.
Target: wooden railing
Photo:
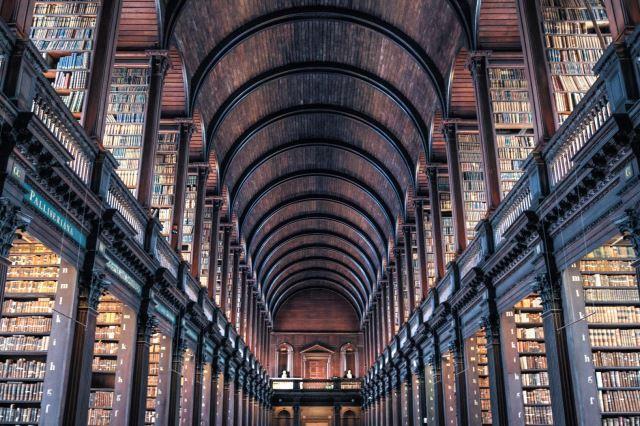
(167, 257)
(316, 385)
(56, 117)
(518, 200)
(589, 116)
(121, 199)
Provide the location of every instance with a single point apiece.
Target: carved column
(558, 361)
(456, 347)
(227, 398)
(436, 224)
(196, 259)
(251, 309)
(235, 282)
(400, 285)
(213, 385)
(408, 259)
(177, 356)
(422, 248)
(455, 187)
(629, 227)
(479, 71)
(182, 167)
(147, 323)
(224, 282)
(77, 404)
(159, 65)
(491, 324)
(396, 392)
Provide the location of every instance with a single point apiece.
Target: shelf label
(51, 213)
(123, 275)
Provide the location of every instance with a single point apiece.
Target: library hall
(319, 212)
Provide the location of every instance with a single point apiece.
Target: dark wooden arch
(376, 165)
(306, 13)
(314, 68)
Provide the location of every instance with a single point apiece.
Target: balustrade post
(159, 65)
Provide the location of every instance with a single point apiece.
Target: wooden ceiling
(315, 116)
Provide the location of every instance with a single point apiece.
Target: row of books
(618, 314)
(20, 415)
(37, 271)
(104, 365)
(66, 8)
(531, 346)
(538, 416)
(530, 333)
(608, 295)
(61, 33)
(619, 401)
(45, 259)
(74, 101)
(615, 379)
(604, 280)
(21, 368)
(536, 396)
(101, 399)
(19, 391)
(615, 337)
(39, 306)
(568, 27)
(124, 131)
(63, 21)
(605, 266)
(76, 80)
(587, 57)
(25, 325)
(23, 343)
(512, 118)
(616, 359)
(535, 379)
(532, 362)
(573, 14)
(63, 45)
(511, 106)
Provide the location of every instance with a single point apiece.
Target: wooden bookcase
(575, 34)
(449, 389)
(531, 350)
(189, 217)
(446, 213)
(164, 177)
(187, 379)
(219, 267)
(64, 32)
(477, 374)
(512, 120)
(206, 245)
(415, 261)
(126, 114)
(30, 319)
(112, 362)
(472, 179)
(428, 246)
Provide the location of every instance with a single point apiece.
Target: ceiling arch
(318, 113)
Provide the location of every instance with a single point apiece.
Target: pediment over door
(316, 361)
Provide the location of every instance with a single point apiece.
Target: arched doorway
(283, 418)
(349, 418)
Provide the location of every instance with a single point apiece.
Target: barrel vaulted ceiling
(316, 115)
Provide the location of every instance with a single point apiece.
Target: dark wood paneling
(316, 310)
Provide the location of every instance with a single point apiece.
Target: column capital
(629, 226)
(477, 61)
(550, 292)
(11, 220)
(97, 287)
(160, 62)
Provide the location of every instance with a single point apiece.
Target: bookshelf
(126, 113)
(472, 176)
(478, 391)
(449, 389)
(206, 245)
(415, 261)
(428, 246)
(25, 329)
(575, 33)
(533, 361)
(112, 363)
(186, 387)
(63, 31)
(446, 213)
(189, 217)
(219, 267)
(159, 377)
(612, 310)
(513, 122)
(164, 178)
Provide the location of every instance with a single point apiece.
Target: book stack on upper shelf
(219, 267)
(612, 309)
(472, 176)
(533, 362)
(513, 122)
(164, 178)
(575, 32)
(25, 329)
(415, 261)
(428, 247)
(446, 214)
(125, 120)
(206, 244)
(478, 379)
(189, 217)
(151, 415)
(64, 31)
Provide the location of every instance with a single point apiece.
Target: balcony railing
(316, 385)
